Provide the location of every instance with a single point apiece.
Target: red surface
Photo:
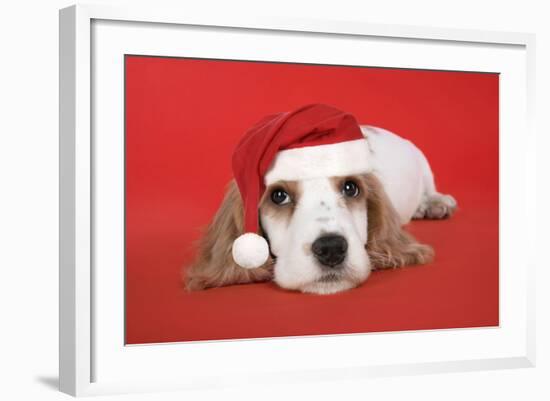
(183, 118)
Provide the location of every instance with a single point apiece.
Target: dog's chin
(329, 284)
(320, 280)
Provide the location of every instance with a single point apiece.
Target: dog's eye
(280, 197)
(350, 189)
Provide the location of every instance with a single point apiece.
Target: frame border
(75, 172)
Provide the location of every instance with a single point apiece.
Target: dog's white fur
(405, 174)
(406, 178)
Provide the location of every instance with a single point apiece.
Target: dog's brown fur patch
(284, 212)
(388, 245)
(214, 265)
(351, 202)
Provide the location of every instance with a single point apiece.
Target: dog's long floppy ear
(388, 245)
(214, 265)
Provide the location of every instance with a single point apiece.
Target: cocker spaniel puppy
(317, 203)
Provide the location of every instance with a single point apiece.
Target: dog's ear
(214, 265)
(388, 245)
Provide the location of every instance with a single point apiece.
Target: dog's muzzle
(330, 250)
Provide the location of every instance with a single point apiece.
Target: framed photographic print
(251, 201)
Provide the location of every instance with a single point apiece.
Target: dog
(327, 231)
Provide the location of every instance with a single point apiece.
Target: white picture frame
(85, 349)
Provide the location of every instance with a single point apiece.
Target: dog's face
(317, 232)
(325, 235)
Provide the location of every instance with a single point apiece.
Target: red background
(183, 118)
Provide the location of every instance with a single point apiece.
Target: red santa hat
(316, 140)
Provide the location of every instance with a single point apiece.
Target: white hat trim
(333, 160)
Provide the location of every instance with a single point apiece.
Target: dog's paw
(436, 206)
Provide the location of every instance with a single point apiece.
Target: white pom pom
(250, 250)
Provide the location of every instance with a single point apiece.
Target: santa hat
(316, 140)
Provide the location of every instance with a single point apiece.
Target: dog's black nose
(330, 250)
